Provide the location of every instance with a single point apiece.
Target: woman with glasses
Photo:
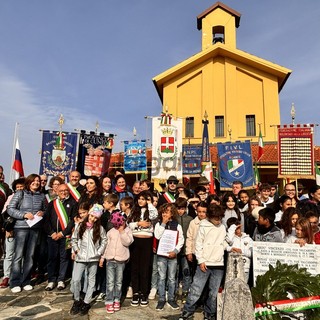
(290, 191)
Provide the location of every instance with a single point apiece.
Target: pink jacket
(118, 245)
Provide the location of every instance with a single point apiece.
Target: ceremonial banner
(191, 159)
(94, 153)
(58, 153)
(235, 164)
(206, 164)
(135, 159)
(166, 147)
(296, 152)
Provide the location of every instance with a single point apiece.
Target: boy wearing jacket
(209, 251)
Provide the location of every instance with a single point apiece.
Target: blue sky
(95, 60)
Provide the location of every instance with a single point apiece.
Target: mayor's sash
(61, 213)
(74, 192)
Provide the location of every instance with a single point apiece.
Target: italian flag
(260, 151)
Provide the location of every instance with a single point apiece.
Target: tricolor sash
(74, 192)
(3, 191)
(169, 197)
(48, 198)
(61, 213)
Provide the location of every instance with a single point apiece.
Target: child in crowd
(126, 205)
(154, 274)
(266, 230)
(116, 254)
(110, 202)
(88, 244)
(185, 273)
(229, 203)
(243, 204)
(210, 246)
(83, 211)
(140, 222)
(168, 264)
(280, 206)
(192, 234)
(288, 222)
(304, 234)
(239, 242)
(250, 223)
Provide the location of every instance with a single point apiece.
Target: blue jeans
(7, 262)
(114, 281)
(215, 275)
(164, 265)
(58, 260)
(185, 273)
(24, 246)
(78, 269)
(154, 275)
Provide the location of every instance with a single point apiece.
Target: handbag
(8, 221)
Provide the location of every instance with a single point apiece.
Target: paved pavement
(40, 304)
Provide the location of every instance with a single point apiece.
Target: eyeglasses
(43, 180)
(172, 182)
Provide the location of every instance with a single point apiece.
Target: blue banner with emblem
(58, 152)
(191, 163)
(135, 159)
(235, 164)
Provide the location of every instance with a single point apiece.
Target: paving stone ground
(40, 304)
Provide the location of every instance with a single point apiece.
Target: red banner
(296, 152)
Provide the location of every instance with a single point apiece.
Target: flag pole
(16, 128)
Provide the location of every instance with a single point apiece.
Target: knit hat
(203, 181)
(96, 210)
(117, 219)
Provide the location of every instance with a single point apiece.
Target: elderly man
(58, 224)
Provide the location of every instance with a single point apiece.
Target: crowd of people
(107, 237)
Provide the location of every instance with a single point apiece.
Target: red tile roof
(269, 157)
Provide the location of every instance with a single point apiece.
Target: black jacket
(51, 220)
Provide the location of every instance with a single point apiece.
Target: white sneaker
(101, 296)
(28, 287)
(61, 285)
(129, 293)
(152, 294)
(15, 289)
(50, 286)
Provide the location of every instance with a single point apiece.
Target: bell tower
(218, 24)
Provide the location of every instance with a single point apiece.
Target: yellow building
(238, 90)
